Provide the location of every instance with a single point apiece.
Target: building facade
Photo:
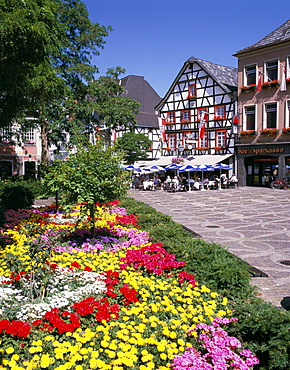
(198, 112)
(19, 156)
(263, 148)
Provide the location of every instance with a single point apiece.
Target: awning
(208, 159)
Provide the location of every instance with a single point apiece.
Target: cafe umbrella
(154, 168)
(202, 168)
(132, 168)
(188, 168)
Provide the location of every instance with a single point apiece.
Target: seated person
(233, 180)
(205, 183)
(156, 182)
(184, 185)
(224, 180)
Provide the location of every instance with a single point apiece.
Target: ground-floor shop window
(261, 171)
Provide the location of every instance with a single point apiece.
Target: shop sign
(261, 150)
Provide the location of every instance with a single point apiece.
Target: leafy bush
(16, 197)
(36, 186)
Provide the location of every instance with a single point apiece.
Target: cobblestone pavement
(252, 223)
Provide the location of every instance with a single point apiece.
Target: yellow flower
(163, 356)
(9, 350)
(172, 335)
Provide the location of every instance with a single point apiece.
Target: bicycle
(280, 184)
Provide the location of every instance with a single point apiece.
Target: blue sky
(153, 38)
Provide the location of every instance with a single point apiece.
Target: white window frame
(29, 135)
(287, 113)
(171, 116)
(221, 138)
(245, 116)
(266, 77)
(287, 64)
(217, 109)
(245, 74)
(265, 114)
(204, 143)
(6, 133)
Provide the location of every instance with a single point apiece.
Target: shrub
(16, 197)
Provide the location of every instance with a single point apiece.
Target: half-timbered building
(198, 113)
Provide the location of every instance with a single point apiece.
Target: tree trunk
(44, 141)
(92, 210)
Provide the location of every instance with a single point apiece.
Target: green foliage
(92, 175)
(29, 33)
(108, 101)
(16, 197)
(264, 328)
(134, 145)
(36, 186)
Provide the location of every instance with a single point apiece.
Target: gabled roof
(279, 35)
(226, 77)
(136, 87)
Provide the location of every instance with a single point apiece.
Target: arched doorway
(260, 171)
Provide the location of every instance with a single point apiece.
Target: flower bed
(113, 300)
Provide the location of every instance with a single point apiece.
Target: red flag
(163, 133)
(259, 86)
(203, 120)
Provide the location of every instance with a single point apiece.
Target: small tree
(134, 145)
(92, 175)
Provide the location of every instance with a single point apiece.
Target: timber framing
(199, 87)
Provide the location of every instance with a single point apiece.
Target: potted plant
(189, 96)
(218, 118)
(248, 88)
(286, 130)
(201, 148)
(269, 131)
(248, 133)
(269, 84)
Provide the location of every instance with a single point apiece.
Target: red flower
(129, 294)
(152, 258)
(87, 268)
(76, 264)
(126, 219)
(15, 327)
(185, 276)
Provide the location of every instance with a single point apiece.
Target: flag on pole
(163, 133)
(203, 120)
(259, 86)
(283, 79)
